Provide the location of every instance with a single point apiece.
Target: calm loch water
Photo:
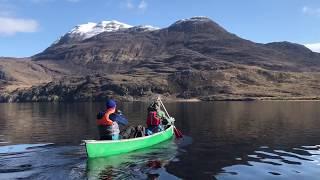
(223, 140)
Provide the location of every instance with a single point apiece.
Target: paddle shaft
(164, 107)
(177, 132)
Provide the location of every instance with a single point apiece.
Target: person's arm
(161, 114)
(119, 118)
(122, 120)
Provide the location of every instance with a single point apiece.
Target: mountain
(85, 31)
(88, 30)
(198, 35)
(191, 58)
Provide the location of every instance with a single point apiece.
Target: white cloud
(11, 26)
(313, 47)
(129, 4)
(142, 5)
(136, 4)
(311, 11)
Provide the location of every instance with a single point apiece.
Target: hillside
(192, 58)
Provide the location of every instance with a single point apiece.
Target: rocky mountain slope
(192, 58)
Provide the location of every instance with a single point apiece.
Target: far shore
(174, 99)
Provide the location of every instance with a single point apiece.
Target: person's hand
(119, 112)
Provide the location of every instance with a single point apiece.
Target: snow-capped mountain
(144, 28)
(191, 58)
(194, 19)
(90, 29)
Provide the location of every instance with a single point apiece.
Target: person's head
(157, 105)
(110, 104)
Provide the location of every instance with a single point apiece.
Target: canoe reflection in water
(149, 163)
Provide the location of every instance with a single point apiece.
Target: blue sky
(29, 26)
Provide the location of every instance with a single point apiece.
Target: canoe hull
(108, 147)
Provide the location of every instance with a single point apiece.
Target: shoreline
(166, 99)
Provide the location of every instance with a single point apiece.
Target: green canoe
(103, 148)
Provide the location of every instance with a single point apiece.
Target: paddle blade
(177, 133)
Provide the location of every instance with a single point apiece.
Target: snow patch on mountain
(144, 28)
(194, 19)
(91, 29)
(315, 47)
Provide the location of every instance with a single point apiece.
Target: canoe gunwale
(127, 140)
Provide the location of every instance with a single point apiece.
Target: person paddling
(156, 106)
(153, 123)
(107, 122)
(155, 118)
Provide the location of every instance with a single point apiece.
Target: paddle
(176, 131)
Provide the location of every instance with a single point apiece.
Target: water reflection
(224, 131)
(46, 122)
(143, 164)
(60, 123)
(230, 140)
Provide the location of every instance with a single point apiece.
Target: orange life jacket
(105, 121)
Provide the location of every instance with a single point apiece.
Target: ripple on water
(40, 161)
(266, 163)
(20, 148)
(49, 161)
